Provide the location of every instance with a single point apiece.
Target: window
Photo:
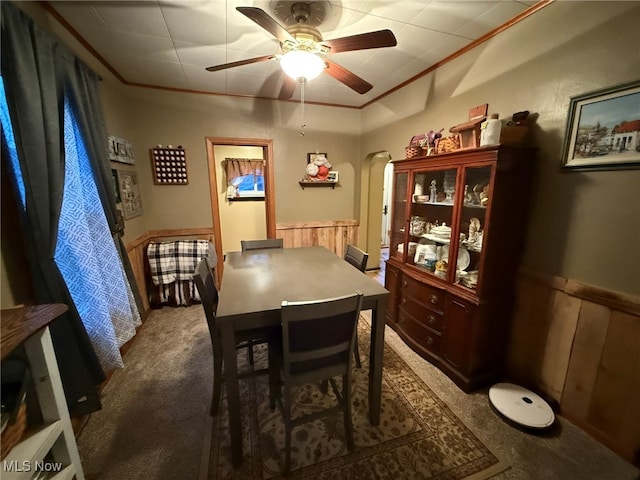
(245, 178)
(250, 185)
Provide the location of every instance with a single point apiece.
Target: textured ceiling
(169, 43)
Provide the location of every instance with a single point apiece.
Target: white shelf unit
(51, 448)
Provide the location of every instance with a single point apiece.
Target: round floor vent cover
(521, 405)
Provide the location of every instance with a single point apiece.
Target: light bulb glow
(301, 64)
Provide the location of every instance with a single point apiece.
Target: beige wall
(187, 119)
(583, 226)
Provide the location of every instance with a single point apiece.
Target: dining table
(255, 283)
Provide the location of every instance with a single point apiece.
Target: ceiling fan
(304, 52)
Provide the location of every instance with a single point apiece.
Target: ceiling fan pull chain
(302, 124)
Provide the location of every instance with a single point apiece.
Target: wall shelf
(304, 184)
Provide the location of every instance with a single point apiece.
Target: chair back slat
(319, 333)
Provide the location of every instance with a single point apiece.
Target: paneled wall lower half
(334, 235)
(580, 345)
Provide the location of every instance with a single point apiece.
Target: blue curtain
(40, 75)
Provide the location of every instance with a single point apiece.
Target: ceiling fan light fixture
(301, 64)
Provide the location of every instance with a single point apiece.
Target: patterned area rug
(419, 437)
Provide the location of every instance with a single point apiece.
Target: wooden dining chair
(205, 283)
(358, 259)
(261, 244)
(316, 345)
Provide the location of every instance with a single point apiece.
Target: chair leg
(356, 353)
(274, 380)
(324, 386)
(348, 424)
(287, 431)
(217, 383)
(356, 350)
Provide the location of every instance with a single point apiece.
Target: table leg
(376, 360)
(227, 338)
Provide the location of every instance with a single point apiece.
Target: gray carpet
(154, 418)
(152, 423)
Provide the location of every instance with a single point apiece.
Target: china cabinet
(457, 231)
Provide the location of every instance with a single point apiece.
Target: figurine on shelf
(430, 141)
(484, 196)
(468, 197)
(441, 269)
(432, 192)
(317, 170)
(474, 229)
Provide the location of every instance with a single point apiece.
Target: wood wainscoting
(334, 235)
(136, 250)
(580, 346)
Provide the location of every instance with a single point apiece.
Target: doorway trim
(269, 188)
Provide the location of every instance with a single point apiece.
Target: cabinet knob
(404, 283)
(429, 340)
(431, 319)
(403, 301)
(434, 299)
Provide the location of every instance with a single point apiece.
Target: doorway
(217, 148)
(374, 184)
(387, 188)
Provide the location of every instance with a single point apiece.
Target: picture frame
(313, 156)
(130, 194)
(333, 176)
(603, 129)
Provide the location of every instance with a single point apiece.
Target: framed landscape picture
(603, 129)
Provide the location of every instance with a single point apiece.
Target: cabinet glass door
(398, 215)
(477, 195)
(431, 215)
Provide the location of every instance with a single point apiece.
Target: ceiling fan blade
(288, 87)
(363, 41)
(248, 61)
(265, 21)
(350, 79)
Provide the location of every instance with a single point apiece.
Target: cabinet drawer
(419, 332)
(430, 318)
(428, 295)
